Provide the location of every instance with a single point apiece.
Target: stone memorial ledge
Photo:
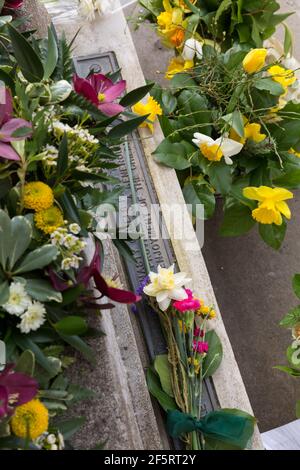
(116, 364)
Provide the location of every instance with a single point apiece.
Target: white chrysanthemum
(18, 300)
(166, 286)
(33, 318)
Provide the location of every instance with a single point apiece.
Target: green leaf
(37, 259)
(237, 219)
(25, 343)
(42, 290)
(288, 40)
(270, 85)
(220, 177)
(69, 207)
(62, 159)
(224, 6)
(154, 386)
(195, 193)
(214, 356)
(289, 370)
(69, 296)
(80, 345)
(164, 371)
(26, 363)
(21, 233)
(126, 127)
(70, 426)
(273, 235)
(71, 325)
(135, 95)
(290, 180)
(174, 155)
(169, 102)
(26, 57)
(5, 237)
(52, 55)
(235, 120)
(291, 318)
(296, 285)
(4, 292)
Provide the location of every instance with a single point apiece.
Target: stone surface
(37, 17)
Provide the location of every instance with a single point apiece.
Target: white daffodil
(214, 150)
(87, 9)
(191, 48)
(166, 286)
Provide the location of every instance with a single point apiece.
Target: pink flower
(15, 390)
(101, 91)
(187, 304)
(198, 332)
(200, 346)
(8, 127)
(13, 4)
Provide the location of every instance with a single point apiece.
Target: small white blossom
(61, 442)
(75, 228)
(18, 300)
(33, 318)
(51, 439)
(53, 447)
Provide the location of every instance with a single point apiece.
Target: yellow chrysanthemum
(196, 363)
(271, 203)
(178, 65)
(281, 75)
(49, 219)
(152, 108)
(205, 311)
(31, 418)
(38, 196)
(255, 60)
(294, 152)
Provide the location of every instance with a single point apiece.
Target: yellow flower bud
(255, 60)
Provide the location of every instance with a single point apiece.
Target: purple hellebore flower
(8, 126)
(101, 91)
(15, 389)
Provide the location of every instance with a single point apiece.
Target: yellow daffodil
(171, 25)
(294, 152)
(251, 131)
(271, 203)
(283, 76)
(214, 150)
(178, 65)
(255, 60)
(181, 4)
(165, 286)
(152, 108)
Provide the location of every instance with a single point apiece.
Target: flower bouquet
(60, 136)
(194, 354)
(232, 124)
(226, 22)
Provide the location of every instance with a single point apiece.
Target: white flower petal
(229, 147)
(150, 290)
(178, 294)
(202, 138)
(189, 49)
(164, 304)
(228, 160)
(162, 295)
(179, 278)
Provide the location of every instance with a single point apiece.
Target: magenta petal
(11, 126)
(3, 402)
(115, 91)
(110, 109)
(6, 151)
(83, 87)
(6, 109)
(100, 82)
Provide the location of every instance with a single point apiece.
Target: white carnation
(33, 318)
(18, 300)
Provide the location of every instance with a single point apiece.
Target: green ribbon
(229, 426)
